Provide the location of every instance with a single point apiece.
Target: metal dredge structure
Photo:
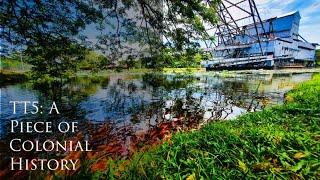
(245, 40)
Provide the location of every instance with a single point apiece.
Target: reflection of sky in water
(14, 93)
(117, 101)
(206, 94)
(148, 99)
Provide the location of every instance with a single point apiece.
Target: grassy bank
(145, 70)
(8, 76)
(114, 71)
(279, 142)
(182, 70)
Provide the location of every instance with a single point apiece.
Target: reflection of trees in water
(167, 81)
(67, 95)
(245, 93)
(144, 100)
(149, 102)
(121, 99)
(205, 98)
(223, 98)
(156, 103)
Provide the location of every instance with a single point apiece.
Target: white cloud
(309, 28)
(313, 8)
(271, 8)
(311, 33)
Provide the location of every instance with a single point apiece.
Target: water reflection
(67, 95)
(114, 112)
(144, 100)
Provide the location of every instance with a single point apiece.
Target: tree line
(54, 34)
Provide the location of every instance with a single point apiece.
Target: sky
(309, 11)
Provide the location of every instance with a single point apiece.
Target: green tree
(179, 59)
(155, 26)
(93, 61)
(48, 31)
(51, 31)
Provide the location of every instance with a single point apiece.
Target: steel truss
(234, 16)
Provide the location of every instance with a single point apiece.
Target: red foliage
(108, 141)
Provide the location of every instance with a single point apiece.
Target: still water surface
(144, 100)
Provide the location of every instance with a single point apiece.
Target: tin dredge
(244, 40)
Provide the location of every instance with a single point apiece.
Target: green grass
(182, 70)
(114, 71)
(8, 76)
(280, 142)
(14, 65)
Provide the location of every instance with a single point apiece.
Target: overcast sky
(309, 11)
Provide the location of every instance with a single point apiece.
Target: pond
(142, 101)
(123, 113)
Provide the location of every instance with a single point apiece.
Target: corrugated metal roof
(288, 14)
(278, 17)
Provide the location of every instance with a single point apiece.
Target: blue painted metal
(280, 42)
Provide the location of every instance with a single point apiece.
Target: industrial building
(271, 43)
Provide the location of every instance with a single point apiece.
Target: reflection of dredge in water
(207, 106)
